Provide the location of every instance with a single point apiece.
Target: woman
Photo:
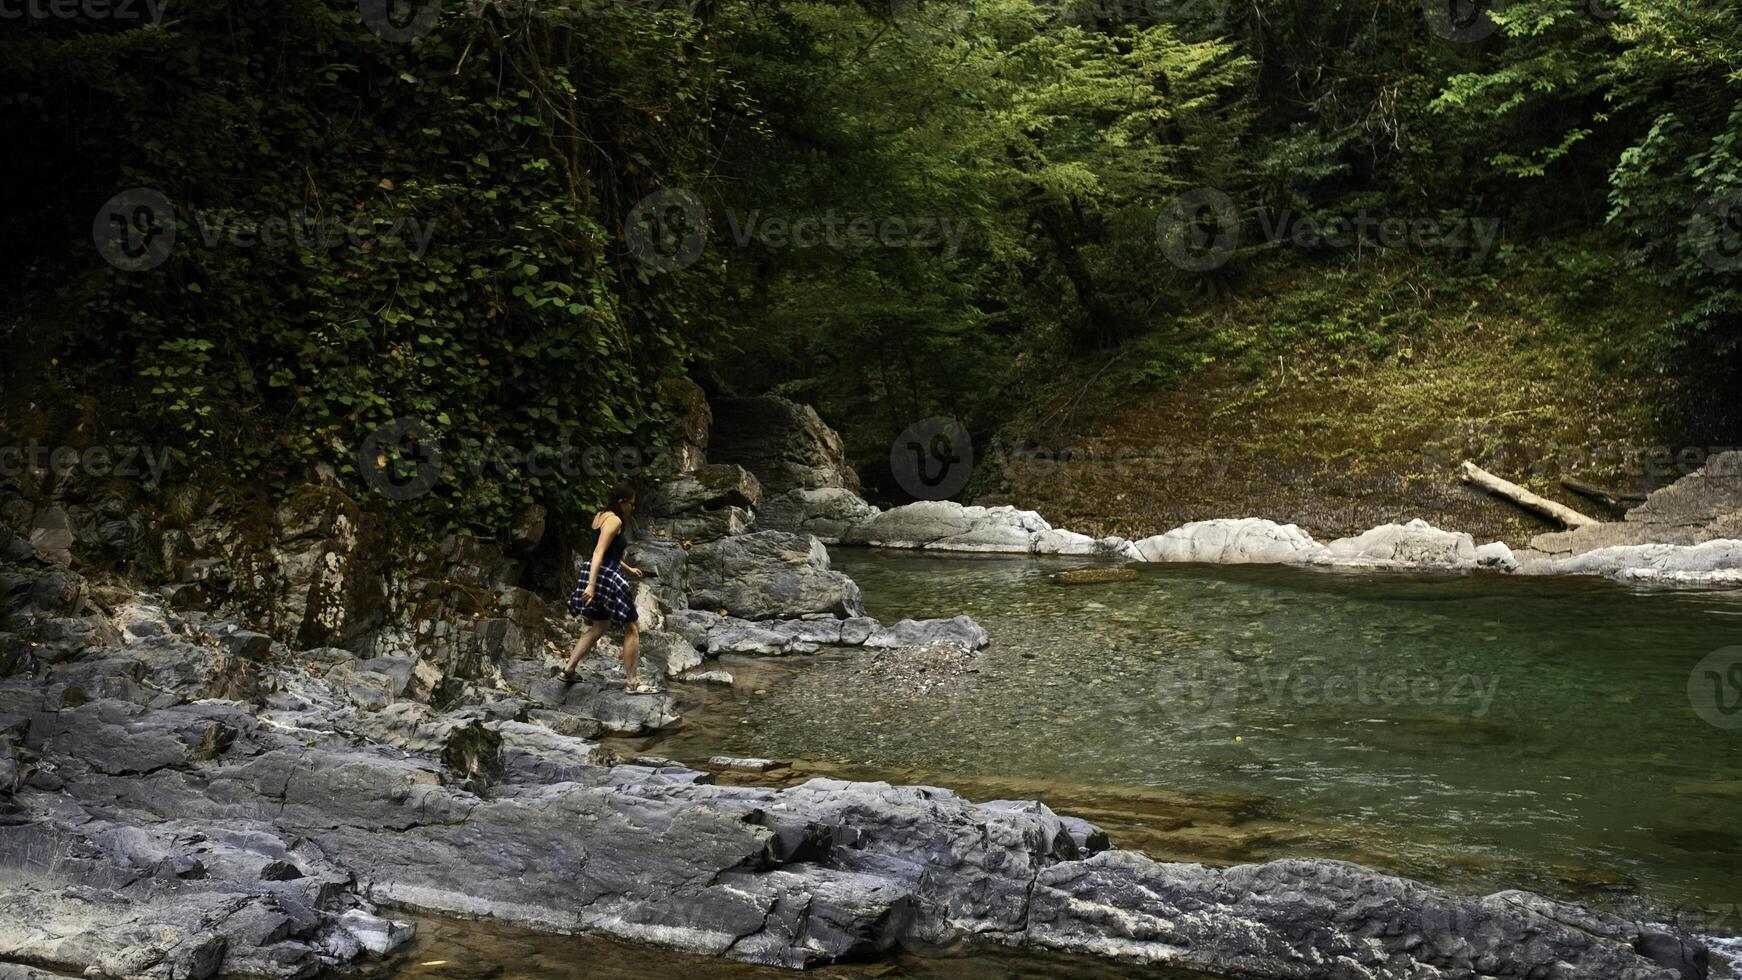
(604, 596)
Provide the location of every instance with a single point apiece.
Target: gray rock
(961, 631)
(1417, 544)
(51, 535)
(709, 488)
(827, 512)
(944, 525)
(1231, 541)
(769, 575)
(700, 526)
(1713, 563)
(748, 765)
(784, 443)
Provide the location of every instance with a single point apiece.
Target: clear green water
(1480, 732)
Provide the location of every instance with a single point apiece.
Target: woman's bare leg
(631, 654)
(584, 645)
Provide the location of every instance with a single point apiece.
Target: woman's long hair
(614, 501)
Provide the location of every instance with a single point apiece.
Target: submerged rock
(1093, 576)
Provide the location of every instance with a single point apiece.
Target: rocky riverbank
(1685, 533)
(187, 798)
(236, 744)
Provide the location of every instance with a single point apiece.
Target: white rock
(1416, 544)
(1495, 554)
(1231, 541)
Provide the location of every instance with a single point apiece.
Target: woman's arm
(607, 531)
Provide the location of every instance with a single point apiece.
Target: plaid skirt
(613, 596)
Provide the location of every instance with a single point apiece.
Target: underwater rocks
(719, 635)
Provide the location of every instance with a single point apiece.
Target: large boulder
(712, 502)
(944, 525)
(1710, 563)
(827, 512)
(708, 488)
(1416, 544)
(1231, 541)
(1705, 505)
(787, 445)
(770, 575)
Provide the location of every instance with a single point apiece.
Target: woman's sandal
(637, 687)
(567, 676)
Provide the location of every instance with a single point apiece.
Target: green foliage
(913, 209)
(474, 184)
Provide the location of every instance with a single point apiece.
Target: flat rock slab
(747, 765)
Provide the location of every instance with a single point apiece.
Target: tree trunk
(1524, 498)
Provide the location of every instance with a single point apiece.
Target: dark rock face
(770, 575)
(784, 443)
(713, 501)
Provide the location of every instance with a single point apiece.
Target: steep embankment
(1344, 400)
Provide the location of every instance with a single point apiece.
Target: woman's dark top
(614, 550)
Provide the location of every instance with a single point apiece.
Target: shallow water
(1480, 732)
(449, 949)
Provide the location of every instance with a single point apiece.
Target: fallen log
(1614, 498)
(1567, 516)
